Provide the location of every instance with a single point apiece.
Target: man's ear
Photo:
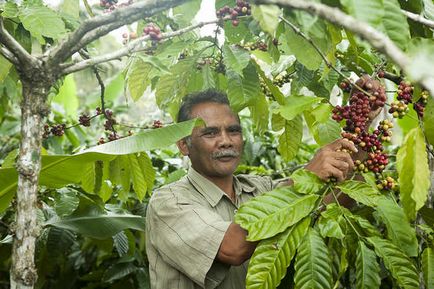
(183, 147)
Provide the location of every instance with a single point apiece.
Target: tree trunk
(23, 273)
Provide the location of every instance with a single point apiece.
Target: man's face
(215, 149)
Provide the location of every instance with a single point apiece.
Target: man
(191, 240)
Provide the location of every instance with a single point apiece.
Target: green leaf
(367, 269)
(428, 267)
(428, 121)
(185, 13)
(399, 265)
(295, 105)
(71, 7)
(42, 21)
(395, 24)
(120, 174)
(399, 230)
(138, 77)
(10, 10)
(99, 226)
(120, 242)
(67, 97)
(428, 9)
(273, 212)
(118, 271)
(5, 66)
(290, 139)
(61, 170)
(243, 91)
(66, 202)
(140, 174)
(312, 264)
(329, 222)
(369, 11)
(302, 50)
(260, 112)
(272, 256)
(172, 87)
(148, 140)
(208, 77)
(414, 173)
(267, 16)
(306, 182)
(235, 58)
(361, 192)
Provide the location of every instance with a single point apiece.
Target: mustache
(225, 153)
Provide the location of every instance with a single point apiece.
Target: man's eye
(210, 133)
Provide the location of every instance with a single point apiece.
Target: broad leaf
(395, 24)
(185, 13)
(399, 265)
(67, 97)
(5, 66)
(99, 226)
(272, 256)
(275, 91)
(267, 16)
(120, 242)
(42, 21)
(301, 48)
(367, 269)
(295, 105)
(329, 222)
(243, 91)
(66, 202)
(428, 267)
(312, 264)
(271, 213)
(235, 58)
(118, 271)
(369, 11)
(414, 174)
(399, 230)
(172, 87)
(142, 174)
(259, 111)
(361, 192)
(306, 182)
(138, 77)
(290, 139)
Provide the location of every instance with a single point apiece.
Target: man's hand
(333, 160)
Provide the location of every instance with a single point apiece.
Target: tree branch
(14, 47)
(9, 56)
(419, 18)
(133, 46)
(115, 19)
(377, 39)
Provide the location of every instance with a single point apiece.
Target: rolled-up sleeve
(187, 235)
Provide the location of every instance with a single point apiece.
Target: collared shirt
(185, 224)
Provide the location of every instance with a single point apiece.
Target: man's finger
(341, 144)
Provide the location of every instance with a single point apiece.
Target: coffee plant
(78, 163)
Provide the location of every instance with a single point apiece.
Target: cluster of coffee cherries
(153, 31)
(356, 113)
(215, 63)
(56, 130)
(241, 8)
(258, 45)
(386, 183)
(357, 119)
(399, 107)
(278, 81)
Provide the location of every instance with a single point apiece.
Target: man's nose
(225, 139)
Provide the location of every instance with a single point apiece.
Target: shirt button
(235, 211)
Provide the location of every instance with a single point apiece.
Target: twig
(327, 62)
(419, 18)
(15, 48)
(114, 19)
(377, 39)
(88, 8)
(133, 46)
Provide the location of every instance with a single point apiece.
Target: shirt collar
(210, 191)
